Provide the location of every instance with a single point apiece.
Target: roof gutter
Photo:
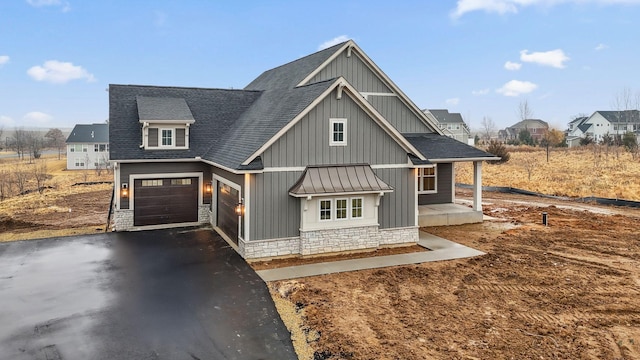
(447, 160)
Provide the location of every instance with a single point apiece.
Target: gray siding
(397, 209)
(235, 178)
(355, 71)
(127, 169)
(398, 114)
(273, 213)
(307, 143)
(443, 196)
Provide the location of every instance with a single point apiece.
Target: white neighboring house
(88, 147)
(451, 124)
(601, 123)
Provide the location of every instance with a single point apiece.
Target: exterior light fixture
(240, 208)
(207, 188)
(124, 191)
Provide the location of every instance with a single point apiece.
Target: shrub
(498, 149)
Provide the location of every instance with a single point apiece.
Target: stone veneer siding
(123, 218)
(328, 241)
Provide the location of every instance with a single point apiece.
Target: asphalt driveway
(166, 294)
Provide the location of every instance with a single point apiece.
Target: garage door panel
(165, 203)
(227, 219)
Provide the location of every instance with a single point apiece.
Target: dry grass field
(61, 209)
(570, 172)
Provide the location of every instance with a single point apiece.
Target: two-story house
(451, 124)
(322, 154)
(88, 147)
(536, 127)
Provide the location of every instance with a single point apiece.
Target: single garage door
(227, 219)
(165, 201)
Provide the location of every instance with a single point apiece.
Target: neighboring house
(603, 123)
(577, 130)
(451, 124)
(322, 154)
(88, 147)
(536, 127)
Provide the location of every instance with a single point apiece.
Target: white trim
(365, 105)
(361, 207)
(247, 206)
(378, 166)
(415, 196)
(341, 193)
(133, 177)
(226, 181)
(464, 159)
(346, 210)
(434, 177)
(375, 69)
(367, 94)
(237, 187)
(332, 122)
(331, 207)
(453, 183)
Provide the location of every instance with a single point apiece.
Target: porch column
(477, 185)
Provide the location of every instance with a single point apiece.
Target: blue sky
(477, 57)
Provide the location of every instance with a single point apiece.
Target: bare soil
(570, 290)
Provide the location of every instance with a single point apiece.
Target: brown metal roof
(338, 179)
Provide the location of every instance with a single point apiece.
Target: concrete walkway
(441, 249)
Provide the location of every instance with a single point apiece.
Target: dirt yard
(567, 291)
(62, 208)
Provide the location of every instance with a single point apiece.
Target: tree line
(30, 143)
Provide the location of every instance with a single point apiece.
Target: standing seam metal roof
(337, 179)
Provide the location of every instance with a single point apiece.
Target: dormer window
(165, 123)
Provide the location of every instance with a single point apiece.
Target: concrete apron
(441, 249)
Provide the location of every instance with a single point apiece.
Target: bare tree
(1, 132)
(56, 139)
(6, 185)
(21, 176)
(488, 128)
(35, 144)
(529, 164)
(19, 142)
(524, 110)
(40, 174)
(625, 99)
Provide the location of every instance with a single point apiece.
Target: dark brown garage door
(165, 201)
(227, 219)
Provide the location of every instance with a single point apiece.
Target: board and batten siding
(274, 213)
(355, 71)
(398, 114)
(307, 142)
(397, 209)
(127, 169)
(443, 196)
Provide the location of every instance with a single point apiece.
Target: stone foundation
(328, 241)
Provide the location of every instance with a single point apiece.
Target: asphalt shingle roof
(89, 133)
(163, 108)
(215, 112)
(445, 117)
(624, 116)
(291, 74)
(434, 147)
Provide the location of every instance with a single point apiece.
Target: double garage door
(165, 201)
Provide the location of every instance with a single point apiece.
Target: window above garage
(165, 122)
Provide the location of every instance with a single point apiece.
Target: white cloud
(513, 66)
(554, 58)
(480, 92)
(453, 101)
(6, 121)
(4, 59)
(37, 117)
(41, 3)
(335, 41)
(516, 88)
(58, 72)
(600, 47)
(513, 6)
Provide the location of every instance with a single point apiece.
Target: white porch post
(477, 185)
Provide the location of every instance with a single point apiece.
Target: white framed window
(325, 210)
(342, 209)
(338, 132)
(427, 180)
(79, 163)
(78, 148)
(100, 147)
(151, 182)
(356, 208)
(166, 137)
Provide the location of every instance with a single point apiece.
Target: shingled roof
(445, 117)
(291, 74)
(439, 147)
(89, 133)
(623, 116)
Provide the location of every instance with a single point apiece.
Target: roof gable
(89, 133)
(342, 87)
(445, 117)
